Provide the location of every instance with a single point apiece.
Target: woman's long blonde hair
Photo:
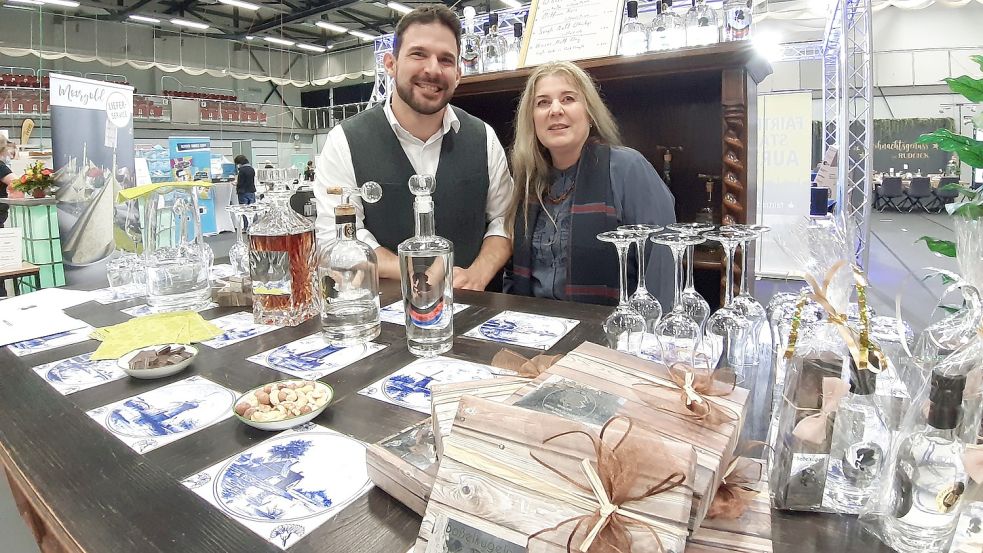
(531, 161)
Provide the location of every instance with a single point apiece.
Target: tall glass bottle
(860, 445)
(705, 214)
(667, 31)
(348, 274)
(493, 47)
(633, 36)
(470, 45)
(282, 263)
(737, 19)
(426, 270)
(515, 48)
(701, 25)
(929, 476)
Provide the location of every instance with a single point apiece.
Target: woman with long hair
(573, 180)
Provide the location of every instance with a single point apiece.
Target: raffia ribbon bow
(611, 484)
(738, 485)
(695, 386)
(518, 363)
(812, 429)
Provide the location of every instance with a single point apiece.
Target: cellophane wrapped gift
(512, 478)
(593, 383)
(934, 467)
(740, 516)
(404, 465)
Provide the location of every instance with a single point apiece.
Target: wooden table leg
(16, 286)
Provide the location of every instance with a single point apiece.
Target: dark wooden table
(85, 491)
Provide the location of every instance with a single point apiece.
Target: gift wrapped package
(740, 516)
(512, 478)
(593, 383)
(445, 397)
(404, 465)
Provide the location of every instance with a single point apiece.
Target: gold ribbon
(695, 389)
(793, 333)
(518, 363)
(812, 429)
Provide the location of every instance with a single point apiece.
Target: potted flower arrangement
(35, 181)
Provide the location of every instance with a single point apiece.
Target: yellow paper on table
(182, 327)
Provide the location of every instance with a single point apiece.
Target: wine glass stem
(743, 287)
(689, 267)
(641, 264)
(677, 258)
(729, 266)
(623, 270)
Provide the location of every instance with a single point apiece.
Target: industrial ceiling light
(362, 35)
(145, 19)
(31, 2)
(512, 3)
(280, 41)
(240, 4)
(331, 27)
(189, 24)
(311, 48)
(63, 3)
(401, 8)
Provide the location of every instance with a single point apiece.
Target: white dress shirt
(334, 167)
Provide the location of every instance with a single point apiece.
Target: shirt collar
(450, 120)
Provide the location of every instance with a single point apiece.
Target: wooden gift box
(618, 374)
(404, 465)
(489, 480)
(749, 533)
(445, 397)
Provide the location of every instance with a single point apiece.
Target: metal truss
(798, 51)
(848, 114)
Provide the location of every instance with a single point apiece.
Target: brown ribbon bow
(812, 429)
(518, 363)
(696, 386)
(973, 462)
(611, 483)
(737, 487)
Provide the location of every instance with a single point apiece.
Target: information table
(85, 491)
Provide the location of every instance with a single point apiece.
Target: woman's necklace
(562, 197)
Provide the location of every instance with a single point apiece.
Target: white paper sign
(572, 30)
(10, 248)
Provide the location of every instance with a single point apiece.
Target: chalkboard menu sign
(896, 145)
(571, 30)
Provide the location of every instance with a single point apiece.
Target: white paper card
(523, 329)
(79, 373)
(394, 312)
(10, 248)
(410, 386)
(37, 345)
(285, 487)
(164, 415)
(236, 328)
(311, 357)
(34, 322)
(144, 309)
(51, 298)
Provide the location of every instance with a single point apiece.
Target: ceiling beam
(121, 15)
(279, 21)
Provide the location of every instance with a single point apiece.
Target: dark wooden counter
(85, 491)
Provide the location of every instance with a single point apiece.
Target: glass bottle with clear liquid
(282, 263)
(493, 47)
(348, 274)
(701, 25)
(667, 31)
(633, 36)
(426, 270)
(470, 45)
(176, 261)
(861, 442)
(737, 19)
(929, 475)
(514, 50)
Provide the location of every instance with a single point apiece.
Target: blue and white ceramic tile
(285, 487)
(236, 328)
(311, 358)
(159, 417)
(37, 345)
(106, 296)
(79, 373)
(969, 530)
(144, 309)
(523, 329)
(395, 314)
(410, 386)
(221, 271)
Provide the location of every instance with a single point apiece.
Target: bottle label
(270, 273)
(738, 20)
(347, 225)
(426, 305)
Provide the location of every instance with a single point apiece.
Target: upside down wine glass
(624, 327)
(744, 303)
(678, 334)
(693, 303)
(642, 301)
(239, 252)
(727, 330)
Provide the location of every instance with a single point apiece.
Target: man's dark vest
(462, 182)
(592, 270)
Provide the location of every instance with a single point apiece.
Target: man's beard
(406, 94)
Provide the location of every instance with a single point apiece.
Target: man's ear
(389, 62)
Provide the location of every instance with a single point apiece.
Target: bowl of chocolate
(157, 361)
(283, 404)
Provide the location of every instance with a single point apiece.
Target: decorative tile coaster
(144, 309)
(107, 296)
(394, 313)
(523, 329)
(159, 417)
(312, 358)
(237, 327)
(221, 271)
(285, 487)
(79, 373)
(410, 386)
(37, 345)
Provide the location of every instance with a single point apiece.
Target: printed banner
(92, 144)
(896, 145)
(191, 159)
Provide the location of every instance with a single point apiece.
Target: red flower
(23, 178)
(46, 172)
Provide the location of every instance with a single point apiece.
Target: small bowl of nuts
(283, 404)
(158, 361)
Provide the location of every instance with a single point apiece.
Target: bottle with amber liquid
(282, 264)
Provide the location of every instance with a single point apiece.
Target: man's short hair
(240, 160)
(424, 16)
